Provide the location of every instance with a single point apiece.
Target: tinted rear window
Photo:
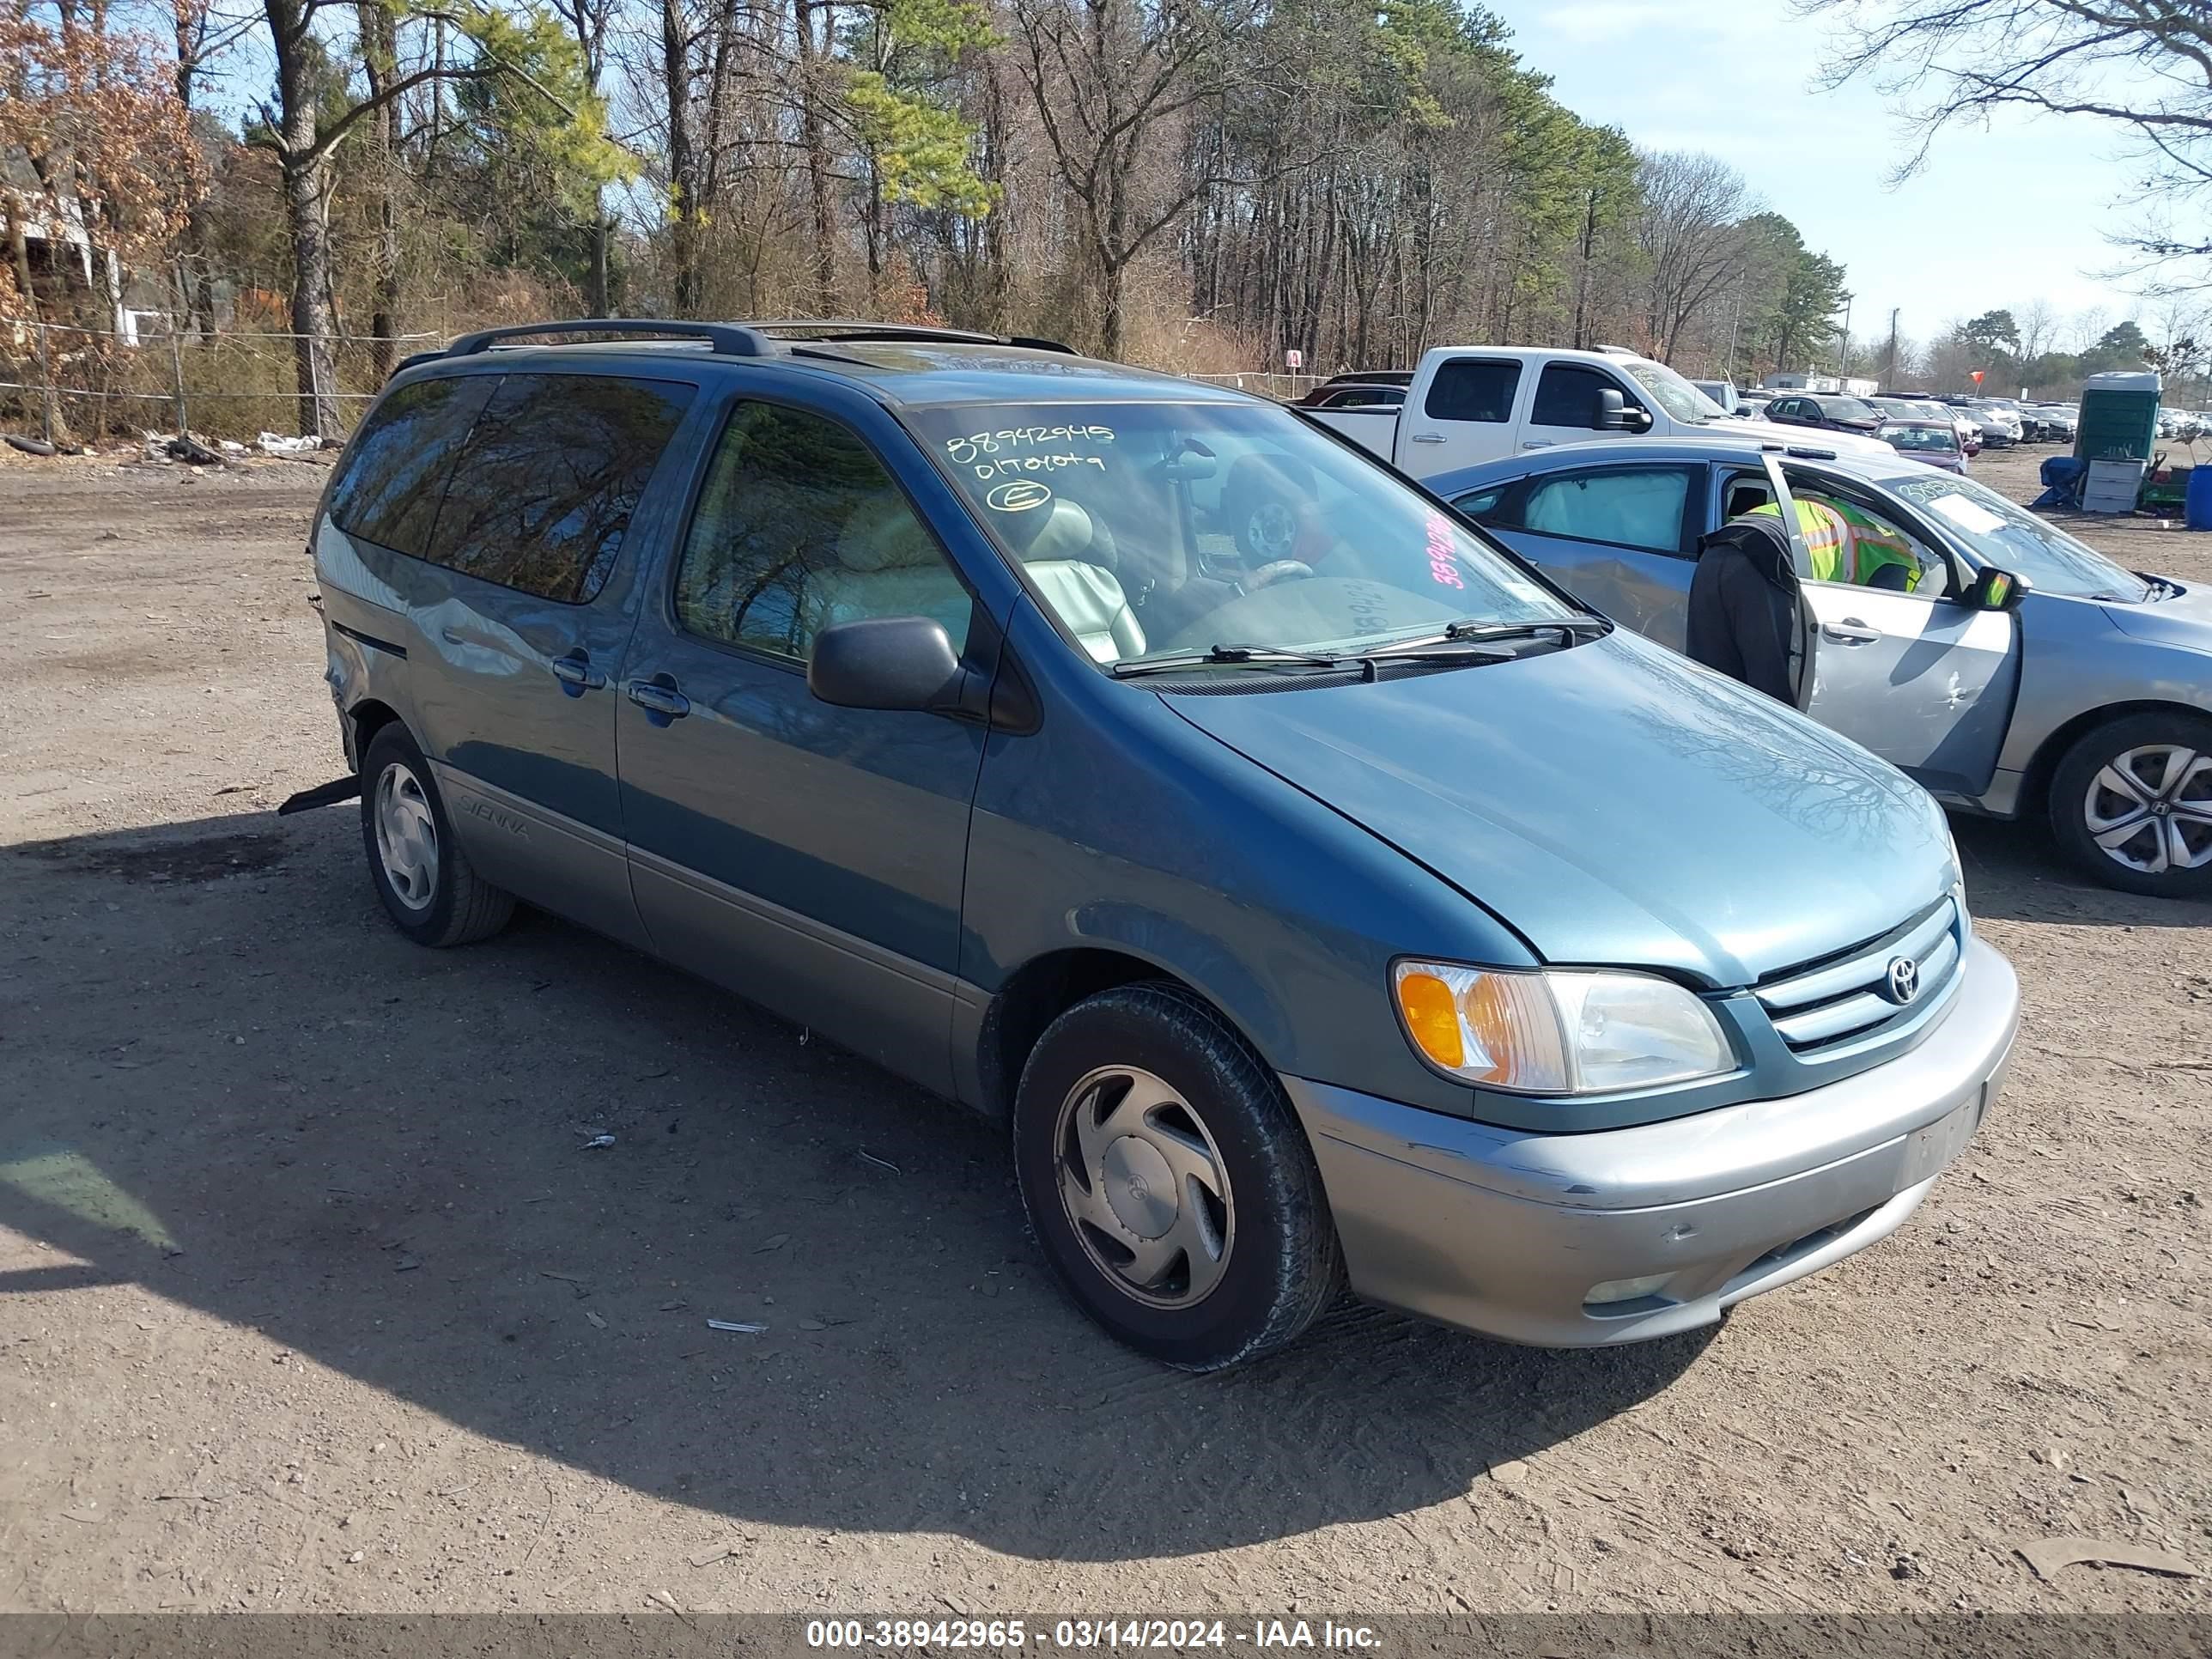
(1467, 389)
(395, 469)
(543, 495)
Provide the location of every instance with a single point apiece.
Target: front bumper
(1505, 1233)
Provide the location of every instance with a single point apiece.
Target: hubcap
(2151, 809)
(406, 836)
(1144, 1187)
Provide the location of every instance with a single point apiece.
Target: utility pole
(1889, 361)
(1844, 353)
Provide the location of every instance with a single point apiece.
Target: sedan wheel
(2132, 803)
(2151, 809)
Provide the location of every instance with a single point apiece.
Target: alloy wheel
(1144, 1186)
(2150, 808)
(406, 836)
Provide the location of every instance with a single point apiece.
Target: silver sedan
(2017, 672)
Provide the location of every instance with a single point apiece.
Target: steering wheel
(1276, 570)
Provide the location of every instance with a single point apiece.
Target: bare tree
(2141, 68)
(1111, 79)
(1686, 228)
(2037, 321)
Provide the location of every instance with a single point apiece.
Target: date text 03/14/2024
(1012, 1635)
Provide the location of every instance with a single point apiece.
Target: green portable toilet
(2119, 416)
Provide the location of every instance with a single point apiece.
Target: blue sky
(1999, 217)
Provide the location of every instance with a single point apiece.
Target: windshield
(1152, 529)
(1849, 408)
(1672, 394)
(1920, 437)
(2008, 536)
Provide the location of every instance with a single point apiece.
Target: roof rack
(747, 339)
(728, 340)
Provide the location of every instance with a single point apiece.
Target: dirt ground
(312, 1297)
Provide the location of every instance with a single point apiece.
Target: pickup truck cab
(1469, 404)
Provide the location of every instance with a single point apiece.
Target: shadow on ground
(2015, 872)
(243, 1091)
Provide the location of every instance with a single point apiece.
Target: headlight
(1556, 1031)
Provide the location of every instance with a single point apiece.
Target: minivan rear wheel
(429, 888)
(2131, 804)
(1168, 1181)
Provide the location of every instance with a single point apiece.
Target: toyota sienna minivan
(1375, 915)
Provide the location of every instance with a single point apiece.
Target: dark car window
(1567, 396)
(1639, 506)
(542, 496)
(1469, 389)
(394, 472)
(798, 528)
(1365, 396)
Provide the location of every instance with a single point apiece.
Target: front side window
(798, 528)
(1152, 528)
(1469, 389)
(1629, 507)
(542, 496)
(395, 469)
(1567, 396)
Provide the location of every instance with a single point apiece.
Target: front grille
(1850, 995)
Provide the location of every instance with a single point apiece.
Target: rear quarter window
(393, 474)
(542, 496)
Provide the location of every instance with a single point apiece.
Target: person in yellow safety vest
(1848, 545)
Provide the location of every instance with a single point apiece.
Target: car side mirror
(1997, 590)
(1611, 413)
(904, 662)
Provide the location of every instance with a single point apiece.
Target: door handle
(660, 698)
(1428, 437)
(1849, 631)
(1536, 443)
(576, 674)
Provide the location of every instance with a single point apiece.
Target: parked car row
(1317, 889)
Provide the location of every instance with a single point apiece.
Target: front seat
(887, 565)
(1065, 553)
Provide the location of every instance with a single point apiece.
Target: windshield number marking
(1443, 568)
(966, 450)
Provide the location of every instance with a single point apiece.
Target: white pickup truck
(1471, 404)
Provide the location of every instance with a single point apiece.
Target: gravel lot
(310, 1300)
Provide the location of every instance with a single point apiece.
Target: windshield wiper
(1269, 656)
(1569, 628)
(1242, 656)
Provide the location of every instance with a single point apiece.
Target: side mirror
(1611, 413)
(1997, 590)
(1640, 420)
(885, 662)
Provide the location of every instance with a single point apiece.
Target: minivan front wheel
(1168, 1181)
(429, 888)
(2131, 802)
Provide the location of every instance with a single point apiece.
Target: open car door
(1802, 676)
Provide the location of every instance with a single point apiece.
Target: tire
(2151, 770)
(1223, 1254)
(436, 900)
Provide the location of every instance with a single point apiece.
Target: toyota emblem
(1904, 980)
